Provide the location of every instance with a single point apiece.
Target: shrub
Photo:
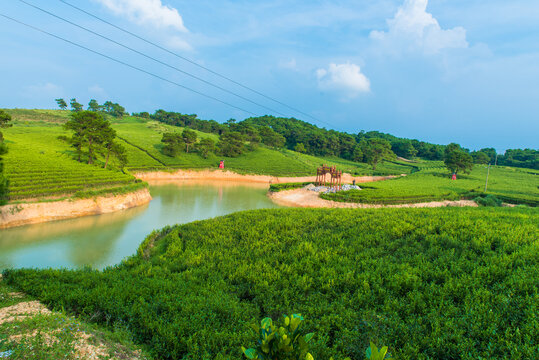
(445, 283)
(489, 200)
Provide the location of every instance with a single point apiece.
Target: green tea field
(444, 283)
(513, 185)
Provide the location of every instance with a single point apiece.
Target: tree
(491, 153)
(357, 155)
(113, 109)
(61, 103)
(271, 138)
(89, 129)
(173, 143)
(75, 106)
(404, 148)
(480, 157)
(118, 151)
(93, 105)
(300, 148)
(206, 146)
(231, 144)
(107, 139)
(377, 150)
(189, 138)
(4, 182)
(457, 159)
(5, 119)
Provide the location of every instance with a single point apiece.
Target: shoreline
(33, 213)
(227, 175)
(27, 213)
(303, 198)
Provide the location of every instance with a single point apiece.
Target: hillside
(40, 165)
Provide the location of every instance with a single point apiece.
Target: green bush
(489, 200)
(287, 341)
(287, 186)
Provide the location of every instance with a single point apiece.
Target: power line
(196, 64)
(128, 65)
(152, 58)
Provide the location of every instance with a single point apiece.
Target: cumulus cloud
(346, 78)
(414, 27)
(43, 90)
(148, 12)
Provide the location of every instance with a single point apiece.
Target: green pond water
(105, 240)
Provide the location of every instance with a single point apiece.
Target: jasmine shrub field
(444, 283)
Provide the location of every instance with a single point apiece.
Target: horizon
(396, 65)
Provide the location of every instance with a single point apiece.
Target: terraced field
(39, 165)
(513, 185)
(143, 142)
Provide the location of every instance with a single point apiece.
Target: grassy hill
(445, 283)
(39, 165)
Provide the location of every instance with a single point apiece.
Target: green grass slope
(446, 283)
(519, 186)
(38, 165)
(145, 153)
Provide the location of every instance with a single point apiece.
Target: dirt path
(51, 332)
(310, 199)
(232, 176)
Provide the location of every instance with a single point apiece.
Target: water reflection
(105, 240)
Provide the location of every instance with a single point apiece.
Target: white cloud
(413, 27)
(177, 42)
(96, 89)
(288, 64)
(42, 90)
(148, 12)
(345, 78)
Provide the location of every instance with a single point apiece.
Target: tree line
(109, 108)
(303, 137)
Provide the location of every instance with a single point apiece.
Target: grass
(39, 165)
(445, 283)
(144, 152)
(57, 335)
(517, 186)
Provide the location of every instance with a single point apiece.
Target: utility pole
(486, 182)
(496, 162)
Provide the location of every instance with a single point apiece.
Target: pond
(104, 240)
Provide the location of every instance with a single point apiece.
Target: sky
(440, 71)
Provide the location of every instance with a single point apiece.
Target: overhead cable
(196, 64)
(152, 58)
(128, 65)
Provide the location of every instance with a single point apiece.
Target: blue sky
(441, 71)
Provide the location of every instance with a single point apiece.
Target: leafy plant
(288, 342)
(373, 353)
(284, 342)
